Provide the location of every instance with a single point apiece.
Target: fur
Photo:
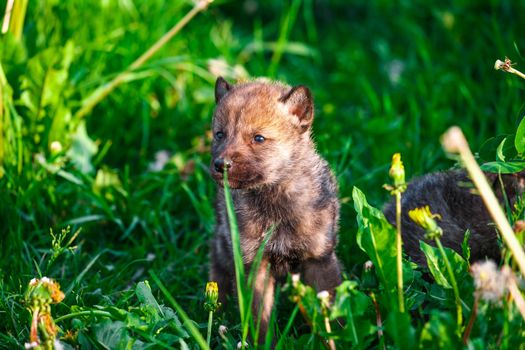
(451, 194)
(281, 183)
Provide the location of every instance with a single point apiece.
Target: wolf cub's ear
(300, 103)
(221, 88)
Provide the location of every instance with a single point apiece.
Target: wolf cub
(451, 195)
(279, 183)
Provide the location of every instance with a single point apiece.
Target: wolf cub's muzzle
(220, 164)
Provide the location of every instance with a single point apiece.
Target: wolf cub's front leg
(323, 273)
(263, 298)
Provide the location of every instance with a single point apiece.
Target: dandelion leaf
(377, 238)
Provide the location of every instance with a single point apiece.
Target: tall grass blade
(288, 23)
(103, 91)
(245, 288)
(188, 323)
(82, 274)
(287, 328)
(236, 246)
(14, 17)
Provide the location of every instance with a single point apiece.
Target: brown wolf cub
(262, 138)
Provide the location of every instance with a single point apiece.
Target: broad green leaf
(510, 167)
(436, 265)
(352, 305)
(10, 129)
(106, 182)
(519, 140)
(433, 261)
(399, 327)
(174, 320)
(188, 323)
(440, 332)
(347, 292)
(82, 149)
(45, 88)
(143, 292)
(377, 238)
(112, 334)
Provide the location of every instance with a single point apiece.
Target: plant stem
(454, 284)
(331, 343)
(517, 72)
(15, 13)
(515, 292)
(18, 18)
(84, 313)
(399, 248)
(471, 320)
(210, 321)
(454, 141)
(309, 322)
(103, 91)
(505, 331)
(379, 321)
(7, 15)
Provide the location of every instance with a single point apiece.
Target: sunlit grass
(386, 78)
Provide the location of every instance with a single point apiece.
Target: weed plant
(116, 204)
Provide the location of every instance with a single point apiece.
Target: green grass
(386, 77)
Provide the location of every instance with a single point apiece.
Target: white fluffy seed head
(239, 345)
(490, 283)
(295, 279)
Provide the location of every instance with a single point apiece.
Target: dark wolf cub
(451, 195)
(262, 139)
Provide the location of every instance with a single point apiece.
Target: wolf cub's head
(260, 130)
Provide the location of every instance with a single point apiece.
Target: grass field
(130, 177)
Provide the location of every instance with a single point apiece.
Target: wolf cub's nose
(221, 163)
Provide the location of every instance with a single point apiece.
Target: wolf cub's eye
(259, 138)
(219, 135)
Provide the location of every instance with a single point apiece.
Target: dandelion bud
(324, 297)
(369, 278)
(295, 279)
(44, 289)
(212, 297)
(55, 147)
(424, 218)
(519, 226)
(223, 330)
(240, 345)
(397, 172)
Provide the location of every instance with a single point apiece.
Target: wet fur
(281, 184)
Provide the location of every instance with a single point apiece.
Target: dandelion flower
(397, 171)
(212, 297)
(423, 217)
